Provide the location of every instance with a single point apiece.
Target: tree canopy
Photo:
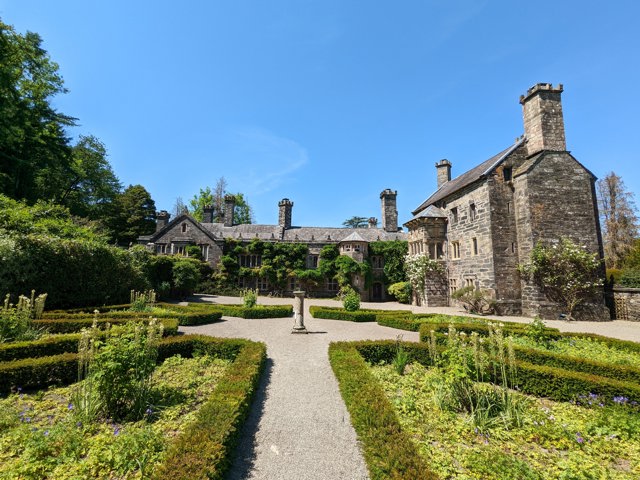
(356, 222)
(215, 198)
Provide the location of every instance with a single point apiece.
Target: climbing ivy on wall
(393, 253)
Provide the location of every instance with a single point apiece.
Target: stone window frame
(332, 285)
(250, 260)
(377, 262)
(455, 250)
(204, 251)
(507, 173)
(454, 215)
(453, 285)
(294, 284)
(262, 284)
(161, 248)
(470, 282)
(312, 261)
(184, 227)
(473, 212)
(474, 246)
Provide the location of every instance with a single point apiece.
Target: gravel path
(298, 427)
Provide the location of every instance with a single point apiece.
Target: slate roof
(430, 212)
(468, 177)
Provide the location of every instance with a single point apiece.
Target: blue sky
(330, 102)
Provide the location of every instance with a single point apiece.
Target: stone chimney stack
(373, 222)
(207, 214)
(543, 121)
(443, 167)
(284, 214)
(229, 206)
(389, 211)
(162, 218)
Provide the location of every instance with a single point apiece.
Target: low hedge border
(185, 316)
(331, 313)
(204, 449)
(388, 450)
(556, 383)
(552, 359)
(74, 324)
(61, 343)
(259, 311)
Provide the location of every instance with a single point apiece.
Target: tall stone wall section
(479, 267)
(626, 304)
(554, 198)
(192, 236)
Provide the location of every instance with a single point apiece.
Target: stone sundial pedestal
(298, 312)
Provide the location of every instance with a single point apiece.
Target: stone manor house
(485, 222)
(172, 237)
(481, 224)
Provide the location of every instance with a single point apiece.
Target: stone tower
(284, 213)
(162, 218)
(389, 210)
(207, 214)
(229, 206)
(443, 167)
(543, 121)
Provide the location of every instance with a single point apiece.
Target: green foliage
(249, 297)
(93, 273)
(567, 273)
(393, 254)
(356, 222)
(185, 277)
(132, 214)
(613, 275)
(342, 314)
(401, 359)
(121, 369)
(35, 150)
(401, 291)
(350, 299)
(630, 278)
(418, 267)
(388, 450)
(43, 218)
(537, 331)
(16, 320)
(474, 300)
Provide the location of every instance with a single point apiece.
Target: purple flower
(70, 406)
(148, 411)
(46, 433)
(579, 438)
(620, 400)
(116, 430)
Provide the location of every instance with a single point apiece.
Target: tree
(34, 149)
(356, 222)
(179, 207)
(243, 213)
(566, 273)
(618, 218)
(92, 185)
(133, 214)
(206, 196)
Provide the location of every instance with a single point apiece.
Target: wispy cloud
(268, 160)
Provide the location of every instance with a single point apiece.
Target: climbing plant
(417, 268)
(393, 254)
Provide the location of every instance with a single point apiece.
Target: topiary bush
(350, 299)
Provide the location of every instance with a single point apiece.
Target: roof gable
(174, 224)
(479, 172)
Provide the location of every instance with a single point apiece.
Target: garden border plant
(204, 448)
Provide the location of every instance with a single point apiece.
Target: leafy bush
(474, 300)
(350, 299)
(342, 314)
(250, 297)
(401, 291)
(567, 273)
(185, 277)
(630, 279)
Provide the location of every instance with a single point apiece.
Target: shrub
(185, 277)
(401, 291)
(250, 297)
(341, 314)
(567, 273)
(474, 300)
(630, 278)
(350, 299)
(121, 369)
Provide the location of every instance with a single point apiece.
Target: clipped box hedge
(332, 313)
(75, 323)
(185, 316)
(235, 310)
(388, 451)
(204, 449)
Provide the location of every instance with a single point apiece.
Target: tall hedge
(72, 272)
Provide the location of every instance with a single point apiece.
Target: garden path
(298, 427)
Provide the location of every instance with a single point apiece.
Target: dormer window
(184, 227)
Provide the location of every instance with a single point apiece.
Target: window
(332, 285)
(250, 261)
(508, 207)
(184, 227)
(454, 215)
(377, 261)
(507, 174)
(178, 249)
(474, 246)
(161, 248)
(472, 212)
(513, 247)
(439, 250)
(263, 284)
(469, 282)
(453, 285)
(455, 250)
(293, 284)
(204, 250)
(312, 261)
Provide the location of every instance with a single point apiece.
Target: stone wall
(193, 235)
(626, 304)
(554, 198)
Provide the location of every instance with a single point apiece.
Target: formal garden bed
(471, 403)
(121, 396)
